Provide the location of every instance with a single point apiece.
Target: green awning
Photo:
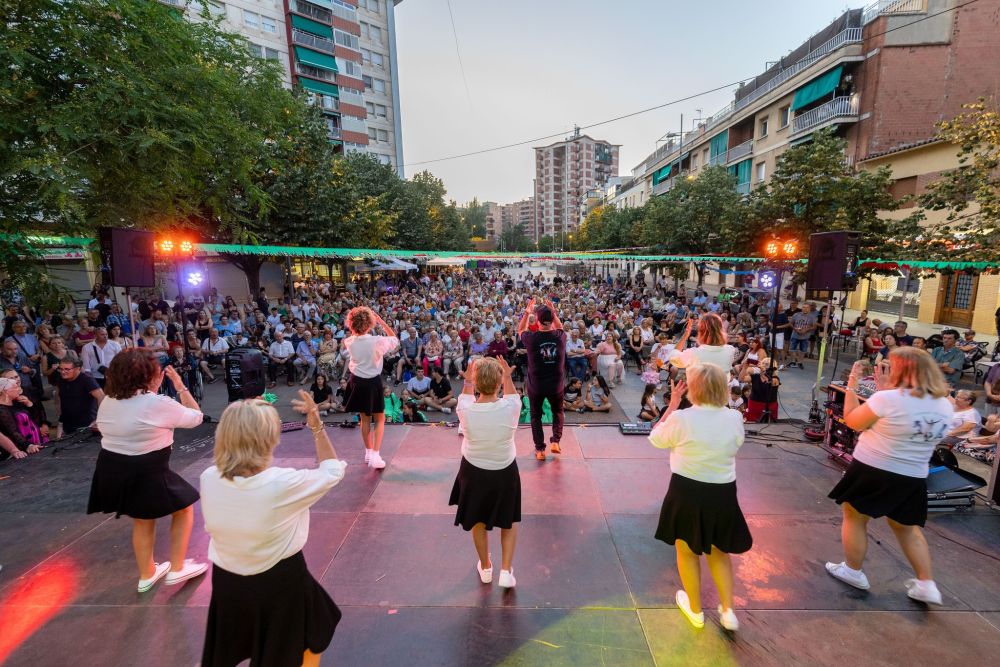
(310, 26)
(319, 86)
(661, 174)
(310, 57)
(719, 144)
(818, 88)
(323, 3)
(742, 170)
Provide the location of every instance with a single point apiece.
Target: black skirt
(706, 516)
(364, 395)
(492, 497)
(270, 618)
(141, 487)
(876, 493)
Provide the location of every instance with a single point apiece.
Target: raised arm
(508, 378)
(522, 326)
(556, 322)
(470, 379)
(385, 327)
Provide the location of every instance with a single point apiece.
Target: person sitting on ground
(648, 410)
(393, 406)
(441, 396)
(573, 395)
(966, 421)
(417, 387)
(598, 398)
(77, 395)
(983, 447)
(412, 413)
(736, 401)
(322, 394)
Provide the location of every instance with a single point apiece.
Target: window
(375, 34)
(346, 39)
(366, 56)
(272, 54)
(367, 81)
(378, 85)
(384, 159)
(763, 127)
(380, 110)
(372, 134)
(264, 52)
(257, 50)
(370, 106)
(383, 135)
(694, 161)
(216, 8)
(268, 24)
(349, 68)
(783, 116)
(704, 157)
(251, 19)
(761, 171)
(378, 60)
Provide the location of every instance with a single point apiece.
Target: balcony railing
(721, 158)
(886, 7)
(333, 132)
(350, 97)
(306, 39)
(321, 14)
(743, 188)
(663, 186)
(315, 72)
(346, 13)
(325, 102)
(844, 37)
(737, 152)
(838, 107)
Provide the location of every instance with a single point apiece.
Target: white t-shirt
(142, 424)
(366, 353)
(720, 355)
(219, 346)
(94, 357)
(257, 521)
(967, 416)
(703, 441)
(489, 428)
(908, 428)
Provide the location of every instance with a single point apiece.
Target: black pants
(535, 401)
(272, 370)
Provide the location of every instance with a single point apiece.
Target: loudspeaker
(126, 257)
(833, 261)
(244, 374)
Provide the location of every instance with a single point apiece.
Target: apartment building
(519, 213)
(881, 77)
(564, 172)
(493, 216)
(341, 52)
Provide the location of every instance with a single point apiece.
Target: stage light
(187, 248)
(766, 280)
(195, 278)
(791, 249)
(771, 249)
(166, 246)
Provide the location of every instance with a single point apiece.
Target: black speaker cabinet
(126, 257)
(833, 262)
(244, 374)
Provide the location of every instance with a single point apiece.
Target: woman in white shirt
(487, 489)
(712, 347)
(700, 513)
(265, 605)
(899, 426)
(365, 396)
(133, 475)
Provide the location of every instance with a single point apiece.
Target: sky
(537, 67)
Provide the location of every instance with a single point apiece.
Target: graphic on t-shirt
(548, 352)
(930, 428)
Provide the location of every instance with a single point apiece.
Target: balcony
(350, 97)
(743, 188)
(326, 103)
(720, 159)
(310, 10)
(844, 109)
(306, 39)
(345, 12)
(887, 7)
(315, 72)
(333, 132)
(664, 186)
(741, 151)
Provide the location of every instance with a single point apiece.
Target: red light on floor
(33, 601)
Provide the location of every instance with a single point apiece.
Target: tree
(546, 243)
(513, 239)
(976, 235)
(474, 218)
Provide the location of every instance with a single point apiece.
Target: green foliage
(609, 227)
(694, 215)
(474, 217)
(970, 235)
(514, 239)
(546, 244)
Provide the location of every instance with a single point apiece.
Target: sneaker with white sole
(728, 620)
(507, 579)
(855, 578)
(190, 570)
(486, 576)
(159, 571)
(684, 604)
(923, 590)
(447, 411)
(368, 455)
(376, 461)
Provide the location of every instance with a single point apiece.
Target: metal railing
(350, 97)
(306, 39)
(837, 107)
(312, 11)
(744, 149)
(844, 37)
(743, 188)
(887, 7)
(315, 72)
(346, 13)
(664, 186)
(721, 158)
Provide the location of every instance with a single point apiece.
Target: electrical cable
(458, 52)
(657, 107)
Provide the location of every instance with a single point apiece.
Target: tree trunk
(700, 268)
(250, 266)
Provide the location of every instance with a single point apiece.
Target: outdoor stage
(594, 587)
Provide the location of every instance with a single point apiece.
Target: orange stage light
(166, 246)
(771, 249)
(187, 247)
(791, 248)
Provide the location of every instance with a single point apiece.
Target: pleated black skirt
(492, 497)
(364, 395)
(706, 516)
(876, 493)
(270, 618)
(141, 487)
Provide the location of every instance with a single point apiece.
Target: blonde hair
(488, 376)
(246, 437)
(915, 369)
(707, 385)
(710, 330)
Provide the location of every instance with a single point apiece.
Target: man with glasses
(78, 394)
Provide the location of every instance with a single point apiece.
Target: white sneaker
(855, 578)
(190, 570)
(447, 411)
(486, 576)
(924, 591)
(376, 461)
(507, 579)
(460, 431)
(684, 604)
(368, 455)
(159, 571)
(728, 620)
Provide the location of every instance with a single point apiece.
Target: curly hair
(131, 371)
(360, 320)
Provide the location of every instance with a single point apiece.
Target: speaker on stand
(126, 257)
(244, 374)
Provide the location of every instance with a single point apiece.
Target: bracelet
(317, 430)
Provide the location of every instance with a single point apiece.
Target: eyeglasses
(67, 370)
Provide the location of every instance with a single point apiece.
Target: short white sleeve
(386, 344)
(877, 403)
(168, 413)
(302, 488)
(668, 433)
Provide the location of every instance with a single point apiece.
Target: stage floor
(594, 587)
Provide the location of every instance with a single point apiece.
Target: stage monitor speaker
(244, 374)
(833, 261)
(126, 257)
